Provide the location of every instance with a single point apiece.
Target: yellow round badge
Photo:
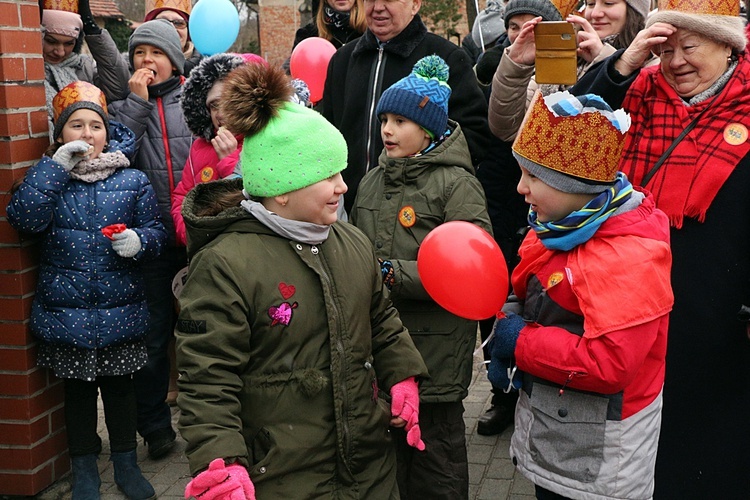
(406, 216)
(735, 134)
(554, 279)
(207, 174)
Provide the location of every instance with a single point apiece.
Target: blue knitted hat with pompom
(422, 96)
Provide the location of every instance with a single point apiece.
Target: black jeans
(152, 381)
(442, 470)
(81, 414)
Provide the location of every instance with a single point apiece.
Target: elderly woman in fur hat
(689, 146)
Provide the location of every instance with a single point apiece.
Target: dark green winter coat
(440, 186)
(282, 347)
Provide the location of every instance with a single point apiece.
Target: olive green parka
(282, 347)
(436, 187)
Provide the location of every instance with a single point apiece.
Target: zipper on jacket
(324, 276)
(567, 381)
(371, 114)
(167, 152)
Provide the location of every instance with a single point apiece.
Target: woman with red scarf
(688, 145)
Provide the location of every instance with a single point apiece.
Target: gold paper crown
(565, 7)
(66, 5)
(586, 146)
(77, 92)
(715, 7)
(181, 5)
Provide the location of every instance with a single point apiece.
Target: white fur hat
(717, 20)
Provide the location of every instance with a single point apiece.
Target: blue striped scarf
(581, 225)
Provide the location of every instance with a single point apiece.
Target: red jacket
(202, 165)
(593, 354)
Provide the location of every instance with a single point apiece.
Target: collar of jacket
(163, 88)
(402, 44)
(413, 167)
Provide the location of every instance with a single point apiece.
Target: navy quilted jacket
(87, 295)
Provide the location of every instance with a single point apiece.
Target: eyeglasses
(178, 23)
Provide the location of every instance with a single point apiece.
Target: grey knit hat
(490, 22)
(543, 8)
(162, 34)
(640, 6)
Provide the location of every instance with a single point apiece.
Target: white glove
(127, 243)
(68, 155)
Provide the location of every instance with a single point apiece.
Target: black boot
(129, 478)
(500, 415)
(86, 479)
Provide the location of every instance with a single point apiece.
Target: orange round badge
(407, 217)
(207, 174)
(554, 279)
(735, 134)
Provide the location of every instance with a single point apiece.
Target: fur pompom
(252, 95)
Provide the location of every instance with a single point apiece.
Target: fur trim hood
(196, 88)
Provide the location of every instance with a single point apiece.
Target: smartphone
(556, 54)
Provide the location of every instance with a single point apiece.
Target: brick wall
(279, 20)
(33, 446)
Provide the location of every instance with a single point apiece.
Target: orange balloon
(309, 63)
(463, 269)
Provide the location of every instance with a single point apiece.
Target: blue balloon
(214, 25)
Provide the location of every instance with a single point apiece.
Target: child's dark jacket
(438, 186)
(282, 347)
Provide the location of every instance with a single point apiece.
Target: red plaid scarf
(689, 179)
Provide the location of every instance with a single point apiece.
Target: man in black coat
(359, 72)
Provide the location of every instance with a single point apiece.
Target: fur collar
(402, 45)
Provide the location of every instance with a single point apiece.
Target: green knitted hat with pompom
(422, 96)
(287, 146)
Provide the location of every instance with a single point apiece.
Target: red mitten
(221, 482)
(405, 404)
(109, 231)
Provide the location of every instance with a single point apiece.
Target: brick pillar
(33, 445)
(279, 20)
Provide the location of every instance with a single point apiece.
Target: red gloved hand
(109, 231)
(405, 405)
(221, 482)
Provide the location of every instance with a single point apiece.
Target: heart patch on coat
(286, 290)
(282, 313)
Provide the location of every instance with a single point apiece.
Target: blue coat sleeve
(32, 206)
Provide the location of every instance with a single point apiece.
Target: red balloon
(463, 270)
(309, 63)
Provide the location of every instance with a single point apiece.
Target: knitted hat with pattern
(422, 96)
(74, 96)
(287, 146)
(161, 34)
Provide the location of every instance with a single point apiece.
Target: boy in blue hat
(425, 178)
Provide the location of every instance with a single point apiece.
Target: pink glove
(405, 404)
(221, 482)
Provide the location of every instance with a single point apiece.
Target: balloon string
(481, 36)
(486, 341)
